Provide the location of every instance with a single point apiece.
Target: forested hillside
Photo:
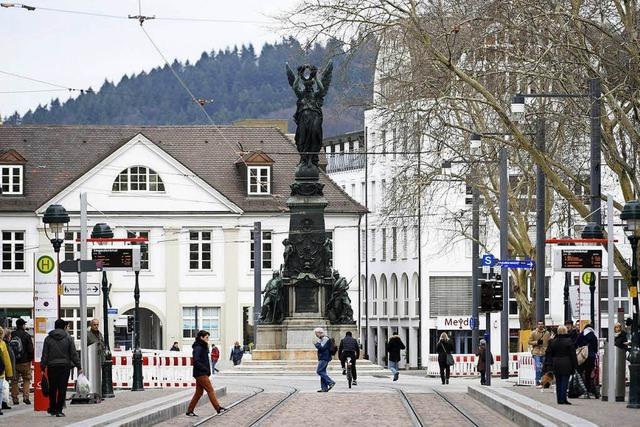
(239, 83)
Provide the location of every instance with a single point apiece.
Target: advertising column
(45, 307)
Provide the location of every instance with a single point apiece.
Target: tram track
(460, 411)
(259, 419)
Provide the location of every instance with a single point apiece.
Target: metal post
(59, 274)
(366, 245)
(595, 97)
(107, 385)
(592, 304)
(634, 353)
(475, 255)
(567, 275)
(612, 353)
(419, 358)
(504, 272)
(487, 358)
(257, 278)
(138, 384)
(83, 282)
(540, 227)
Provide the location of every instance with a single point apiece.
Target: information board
(578, 259)
(117, 257)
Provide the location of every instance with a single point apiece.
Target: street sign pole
(83, 281)
(611, 352)
(504, 274)
(257, 277)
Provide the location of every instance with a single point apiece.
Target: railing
(466, 365)
(338, 162)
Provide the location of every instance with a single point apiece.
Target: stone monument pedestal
(294, 338)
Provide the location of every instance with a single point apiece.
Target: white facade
(443, 262)
(169, 288)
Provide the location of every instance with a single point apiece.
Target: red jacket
(215, 353)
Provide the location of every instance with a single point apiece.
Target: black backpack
(17, 347)
(334, 348)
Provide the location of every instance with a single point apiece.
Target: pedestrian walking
(323, 344)
(444, 348)
(201, 372)
(59, 355)
(482, 362)
(394, 346)
(236, 354)
(22, 345)
(349, 348)
(588, 338)
(539, 340)
(215, 355)
(564, 363)
(175, 346)
(6, 370)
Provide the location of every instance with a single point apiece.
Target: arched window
(405, 289)
(394, 285)
(383, 288)
(374, 295)
(416, 294)
(138, 178)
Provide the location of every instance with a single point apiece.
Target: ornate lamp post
(55, 217)
(593, 231)
(103, 231)
(630, 216)
(138, 385)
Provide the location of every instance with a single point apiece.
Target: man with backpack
(349, 348)
(22, 346)
(326, 349)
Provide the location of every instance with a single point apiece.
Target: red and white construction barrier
(467, 365)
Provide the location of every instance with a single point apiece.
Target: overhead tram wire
(123, 17)
(186, 88)
(59, 86)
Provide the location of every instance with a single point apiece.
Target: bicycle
(347, 364)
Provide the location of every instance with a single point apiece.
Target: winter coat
(620, 339)
(27, 345)
(588, 337)
(324, 348)
(482, 358)
(443, 348)
(349, 344)
(96, 337)
(59, 349)
(563, 355)
(236, 354)
(573, 335)
(537, 348)
(215, 353)
(201, 364)
(6, 359)
(12, 356)
(394, 346)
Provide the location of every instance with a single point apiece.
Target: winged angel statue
(308, 116)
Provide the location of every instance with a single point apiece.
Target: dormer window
(11, 179)
(256, 168)
(138, 179)
(259, 180)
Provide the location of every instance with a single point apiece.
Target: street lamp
(593, 230)
(517, 104)
(630, 216)
(55, 217)
(103, 231)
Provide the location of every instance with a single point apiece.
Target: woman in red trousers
(201, 372)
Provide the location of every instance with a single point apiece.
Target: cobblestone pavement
(24, 416)
(480, 413)
(601, 413)
(204, 409)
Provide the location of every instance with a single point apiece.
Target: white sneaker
(539, 386)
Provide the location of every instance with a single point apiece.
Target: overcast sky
(79, 51)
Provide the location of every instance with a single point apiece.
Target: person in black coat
(444, 348)
(621, 339)
(563, 354)
(483, 367)
(59, 355)
(394, 346)
(588, 338)
(201, 372)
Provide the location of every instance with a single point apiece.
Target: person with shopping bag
(59, 355)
